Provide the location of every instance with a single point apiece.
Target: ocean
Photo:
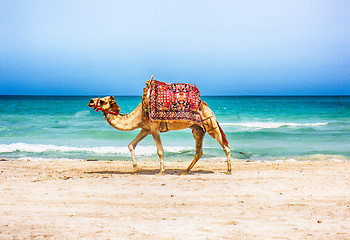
(257, 128)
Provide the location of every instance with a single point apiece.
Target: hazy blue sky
(246, 47)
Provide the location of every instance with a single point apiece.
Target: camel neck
(126, 122)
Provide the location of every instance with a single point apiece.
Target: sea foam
(40, 148)
(272, 124)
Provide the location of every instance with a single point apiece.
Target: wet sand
(102, 200)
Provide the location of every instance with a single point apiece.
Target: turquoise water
(257, 128)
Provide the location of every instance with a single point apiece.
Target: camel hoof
(135, 169)
(161, 173)
(184, 173)
(228, 173)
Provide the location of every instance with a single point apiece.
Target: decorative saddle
(172, 101)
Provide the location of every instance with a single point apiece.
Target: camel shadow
(152, 172)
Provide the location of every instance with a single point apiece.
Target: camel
(140, 119)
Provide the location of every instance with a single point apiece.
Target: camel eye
(102, 102)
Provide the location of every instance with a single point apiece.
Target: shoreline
(103, 200)
(140, 159)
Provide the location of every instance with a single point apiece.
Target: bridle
(103, 110)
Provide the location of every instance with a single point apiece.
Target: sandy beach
(102, 200)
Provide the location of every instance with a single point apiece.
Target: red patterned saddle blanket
(174, 101)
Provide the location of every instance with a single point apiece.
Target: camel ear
(114, 106)
(111, 100)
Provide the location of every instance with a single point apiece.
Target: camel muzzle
(91, 103)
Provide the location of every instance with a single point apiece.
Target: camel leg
(227, 150)
(218, 134)
(214, 130)
(160, 151)
(132, 146)
(198, 135)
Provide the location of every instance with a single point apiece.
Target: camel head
(106, 105)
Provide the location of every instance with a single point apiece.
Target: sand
(102, 200)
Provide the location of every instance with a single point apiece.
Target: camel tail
(224, 139)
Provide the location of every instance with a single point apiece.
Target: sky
(248, 47)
